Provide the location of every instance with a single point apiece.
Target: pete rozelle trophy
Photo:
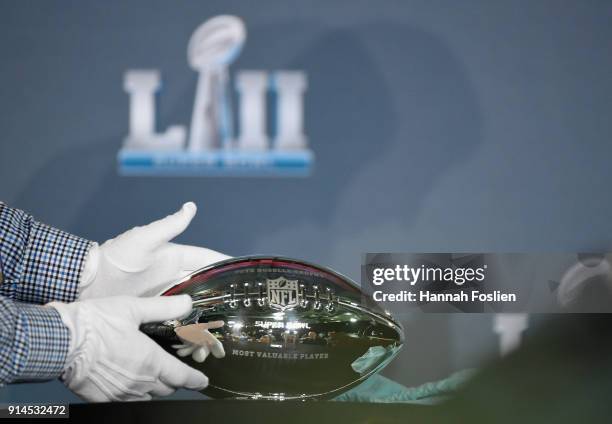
(292, 330)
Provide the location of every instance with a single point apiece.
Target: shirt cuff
(54, 262)
(42, 343)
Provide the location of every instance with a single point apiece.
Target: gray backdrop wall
(437, 125)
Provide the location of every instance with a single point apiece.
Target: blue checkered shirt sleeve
(33, 342)
(38, 264)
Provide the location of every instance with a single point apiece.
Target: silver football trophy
(290, 329)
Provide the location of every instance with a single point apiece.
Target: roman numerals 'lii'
(211, 123)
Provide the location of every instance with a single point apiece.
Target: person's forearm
(39, 263)
(33, 342)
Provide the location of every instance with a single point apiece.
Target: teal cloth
(379, 389)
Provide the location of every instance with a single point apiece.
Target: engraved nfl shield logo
(282, 293)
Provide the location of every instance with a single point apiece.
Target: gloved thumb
(165, 229)
(163, 308)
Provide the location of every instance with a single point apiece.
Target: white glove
(198, 342)
(109, 359)
(142, 261)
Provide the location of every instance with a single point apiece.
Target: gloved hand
(142, 261)
(198, 341)
(109, 359)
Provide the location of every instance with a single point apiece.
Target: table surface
(244, 411)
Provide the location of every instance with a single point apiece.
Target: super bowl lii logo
(212, 146)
